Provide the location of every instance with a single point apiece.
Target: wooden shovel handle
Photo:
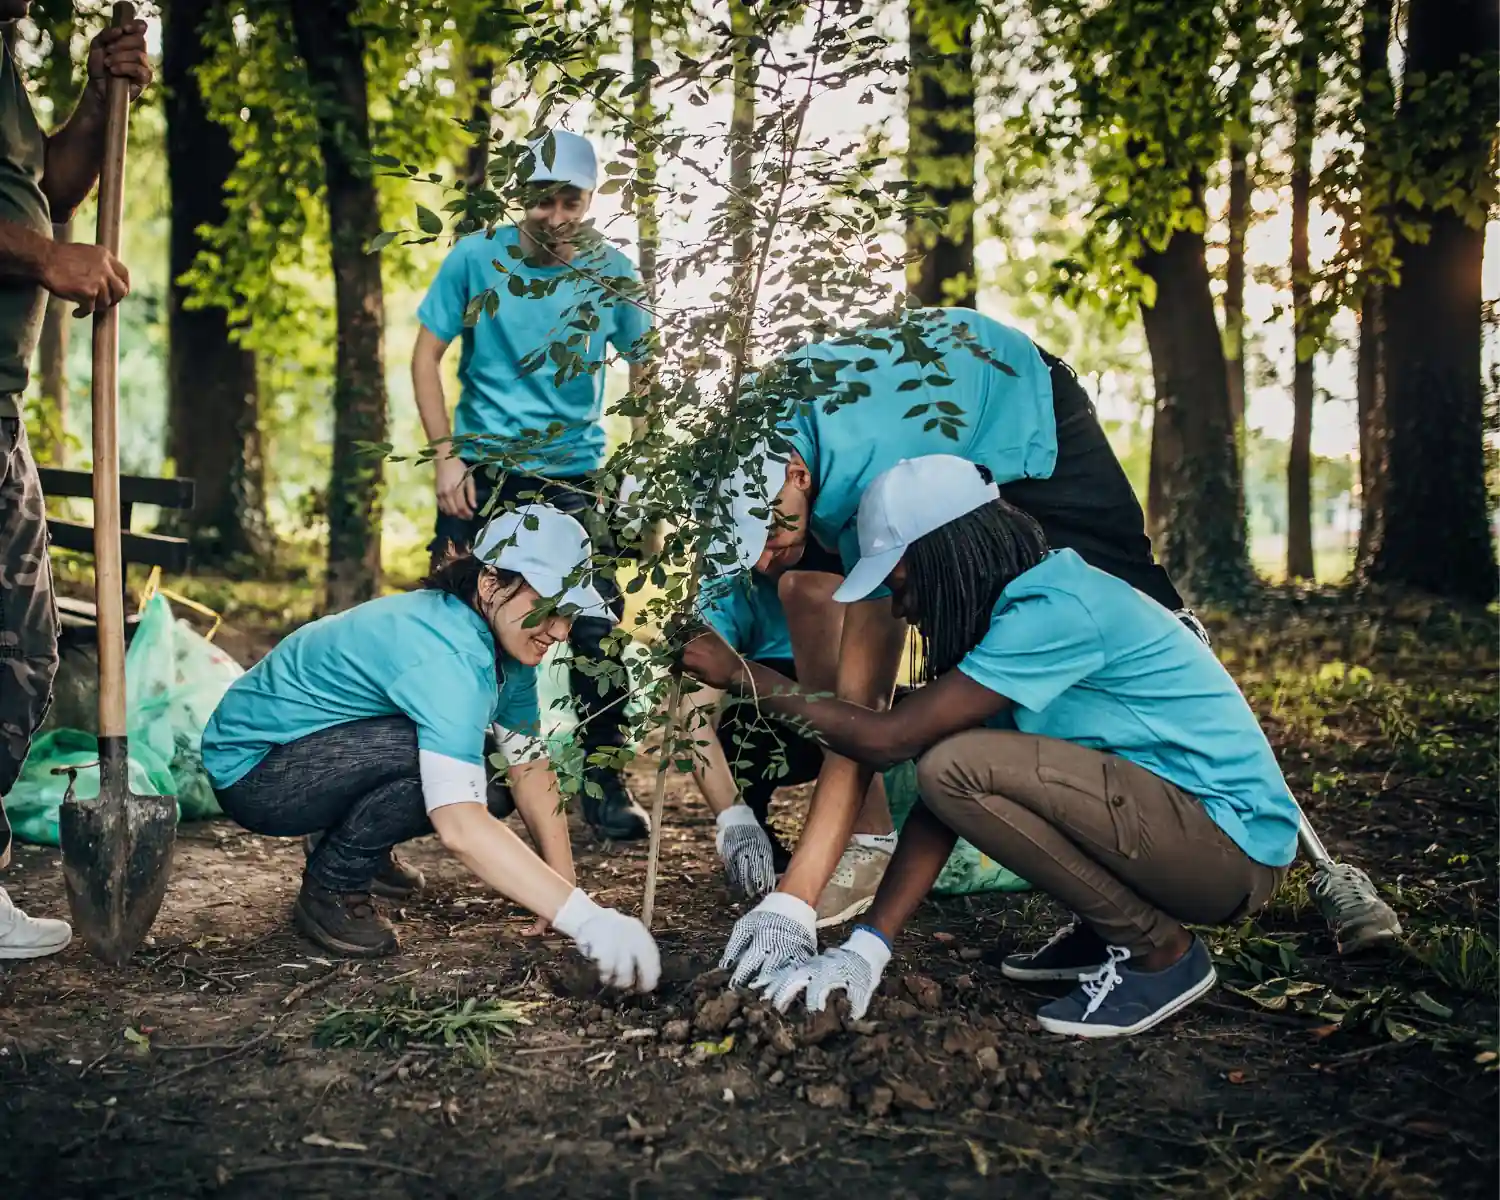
(109, 571)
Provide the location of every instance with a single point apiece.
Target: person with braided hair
(1070, 728)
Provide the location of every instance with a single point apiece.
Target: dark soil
(197, 1069)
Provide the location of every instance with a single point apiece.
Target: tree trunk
(213, 414)
(940, 150)
(1299, 550)
(51, 441)
(1201, 522)
(741, 207)
(333, 47)
(1234, 281)
(1376, 102)
(477, 159)
(648, 225)
(1431, 523)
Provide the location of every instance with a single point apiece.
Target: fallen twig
(303, 990)
(242, 1048)
(365, 1164)
(659, 801)
(386, 1074)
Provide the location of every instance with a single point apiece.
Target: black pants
(1087, 504)
(359, 784)
(599, 698)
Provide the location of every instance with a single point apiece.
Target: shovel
(116, 848)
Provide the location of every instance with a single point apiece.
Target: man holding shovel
(42, 180)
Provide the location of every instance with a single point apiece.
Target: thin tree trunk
(941, 149)
(1376, 103)
(1234, 281)
(213, 425)
(648, 225)
(477, 159)
(333, 48)
(1201, 523)
(1299, 549)
(741, 207)
(1431, 523)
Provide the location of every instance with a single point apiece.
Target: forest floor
(229, 1059)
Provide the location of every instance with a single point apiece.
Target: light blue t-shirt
(1088, 659)
(854, 426)
(745, 610)
(587, 306)
(424, 654)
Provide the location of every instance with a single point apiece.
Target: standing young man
(557, 284)
(944, 381)
(42, 180)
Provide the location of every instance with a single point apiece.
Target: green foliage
(461, 1023)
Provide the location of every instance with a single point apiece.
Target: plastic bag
(968, 871)
(174, 678)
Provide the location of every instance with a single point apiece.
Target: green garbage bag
(968, 871)
(174, 678)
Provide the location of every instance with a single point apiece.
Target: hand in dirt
(120, 52)
(853, 968)
(709, 659)
(541, 927)
(456, 495)
(779, 932)
(86, 274)
(745, 850)
(619, 945)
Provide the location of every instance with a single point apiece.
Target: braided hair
(955, 574)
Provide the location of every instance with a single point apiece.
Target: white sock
(876, 841)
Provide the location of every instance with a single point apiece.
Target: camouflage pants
(28, 611)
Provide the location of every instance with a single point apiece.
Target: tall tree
(1299, 549)
(1431, 519)
(332, 45)
(643, 116)
(940, 150)
(1376, 108)
(741, 215)
(213, 410)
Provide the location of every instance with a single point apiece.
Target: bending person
(369, 727)
(1071, 729)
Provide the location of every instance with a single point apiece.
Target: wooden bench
(77, 618)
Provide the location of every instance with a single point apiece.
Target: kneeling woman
(369, 727)
(1071, 729)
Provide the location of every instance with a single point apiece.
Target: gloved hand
(745, 849)
(781, 931)
(853, 968)
(621, 947)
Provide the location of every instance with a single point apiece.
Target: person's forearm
(640, 380)
(432, 404)
(869, 737)
(710, 768)
(534, 787)
(497, 856)
(23, 252)
(924, 847)
(74, 155)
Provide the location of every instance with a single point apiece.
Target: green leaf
(1428, 1005)
(916, 410)
(947, 406)
(428, 221)
(909, 385)
(381, 240)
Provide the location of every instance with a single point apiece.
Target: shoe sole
(847, 914)
(1367, 938)
(1084, 1030)
(17, 953)
(1046, 975)
(316, 934)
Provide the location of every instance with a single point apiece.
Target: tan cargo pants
(28, 611)
(1132, 855)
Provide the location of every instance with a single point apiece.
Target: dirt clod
(988, 1060)
(676, 1032)
(715, 1012)
(820, 1026)
(880, 1100)
(911, 1096)
(925, 992)
(827, 1095)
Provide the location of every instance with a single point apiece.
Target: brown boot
(343, 922)
(396, 879)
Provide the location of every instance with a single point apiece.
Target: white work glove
(781, 931)
(853, 968)
(620, 946)
(745, 850)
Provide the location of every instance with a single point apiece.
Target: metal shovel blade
(117, 853)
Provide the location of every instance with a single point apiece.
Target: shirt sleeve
(725, 608)
(632, 322)
(1037, 647)
(518, 711)
(442, 309)
(449, 700)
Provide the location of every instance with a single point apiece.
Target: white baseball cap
(905, 503)
(544, 547)
(750, 491)
(573, 161)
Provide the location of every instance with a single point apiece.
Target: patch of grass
(1323, 1167)
(1465, 959)
(462, 1023)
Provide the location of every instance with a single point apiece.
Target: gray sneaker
(22, 936)
(1117, 1002)
(852, 888)
(1347, 899)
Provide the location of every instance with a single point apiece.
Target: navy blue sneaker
(1116, 1002)
(1074, 951)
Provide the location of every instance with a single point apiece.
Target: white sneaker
(852, 888)
(29, 937)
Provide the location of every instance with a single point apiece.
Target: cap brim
(587, 602)
(868, 574)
